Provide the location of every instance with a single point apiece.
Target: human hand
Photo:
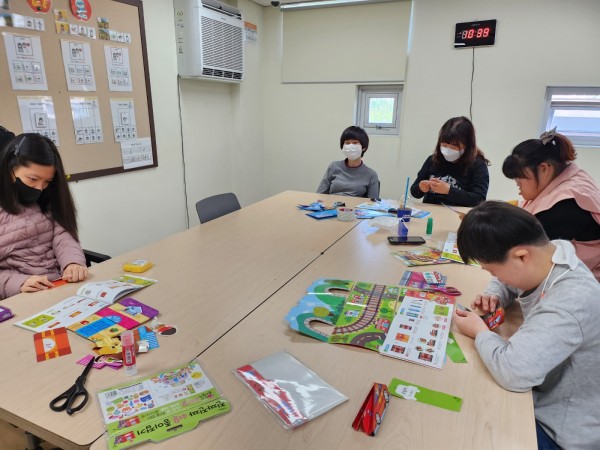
(438, 186)
(485, 303)
(36, 283)
(74, 273)
(424, 186)
(468, 323)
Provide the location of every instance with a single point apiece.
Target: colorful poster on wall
(136, 153)
(117, 68)
(86, 120)
(123, 119)
(42, 6)
(37, 116)
(25, 62)
(81, 9)
(79, 70)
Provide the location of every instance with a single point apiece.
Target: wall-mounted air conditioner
(210, 40)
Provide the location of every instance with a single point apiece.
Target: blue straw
(406, 192)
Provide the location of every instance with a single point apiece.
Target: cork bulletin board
(77, 72)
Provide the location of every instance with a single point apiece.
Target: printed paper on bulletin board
(62, 76)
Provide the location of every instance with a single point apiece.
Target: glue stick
(429, 230)
(128, 345)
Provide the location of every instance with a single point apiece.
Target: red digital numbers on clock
(476, 33)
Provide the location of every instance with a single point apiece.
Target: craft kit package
(292, 392)
(159, 406)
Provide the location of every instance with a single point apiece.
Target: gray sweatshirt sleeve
(373, 189)
(546, 339)
(506, 294)
(325, 183)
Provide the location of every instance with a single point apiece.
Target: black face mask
(27, 195)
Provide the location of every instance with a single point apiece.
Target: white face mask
(451, 155)
(352, 151)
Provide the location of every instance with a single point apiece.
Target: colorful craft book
(422, 256)
(112, 320)
(423, 280)
(159, 406)
(90, 298)
(450, 250)
(398, 321)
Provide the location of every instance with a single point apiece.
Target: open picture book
(90, 298)
(398, 321)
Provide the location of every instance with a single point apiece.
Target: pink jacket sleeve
(11, 282)
(66, 248)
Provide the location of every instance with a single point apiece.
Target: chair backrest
(216, 206)
(94, 257)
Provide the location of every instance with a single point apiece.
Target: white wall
(121, 212)
(538, 43)
(222, 129)
(303, 121)
(262, 137)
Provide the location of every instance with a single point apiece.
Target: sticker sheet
(159, 406)
(37, 116)
(25, 62)
(117, 68)
(86, 120)
(79, 69)
(123, 118)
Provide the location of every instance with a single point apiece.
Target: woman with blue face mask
(351, 176)
(457, 171)
(38, 225)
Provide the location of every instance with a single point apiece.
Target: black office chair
(216, 206)
(94, 257)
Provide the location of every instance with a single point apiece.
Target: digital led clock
(475, 34)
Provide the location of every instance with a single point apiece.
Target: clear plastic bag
(292, 392)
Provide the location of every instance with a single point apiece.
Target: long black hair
(32, 148)
(459, 131)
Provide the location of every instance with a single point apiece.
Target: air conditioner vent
(210, 40)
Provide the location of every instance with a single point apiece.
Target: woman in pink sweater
(38, 226)
(563, 197)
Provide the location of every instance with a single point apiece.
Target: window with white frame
(575, 112)
(378, 109)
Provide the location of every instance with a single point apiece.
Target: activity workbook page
(62, 314)
(419, 331)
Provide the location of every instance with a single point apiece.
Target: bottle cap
(127, 338)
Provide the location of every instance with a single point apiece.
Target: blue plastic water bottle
(402, 229)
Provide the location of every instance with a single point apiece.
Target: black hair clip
(548, 136)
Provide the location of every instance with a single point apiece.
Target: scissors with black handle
(75, 398)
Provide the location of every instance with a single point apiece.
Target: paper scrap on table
(454, 351)
(411, 391)
(51, 344)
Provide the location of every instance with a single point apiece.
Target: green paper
(454, 351)
(410, 391)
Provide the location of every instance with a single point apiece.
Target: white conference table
(210, 278)
(490, 417)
